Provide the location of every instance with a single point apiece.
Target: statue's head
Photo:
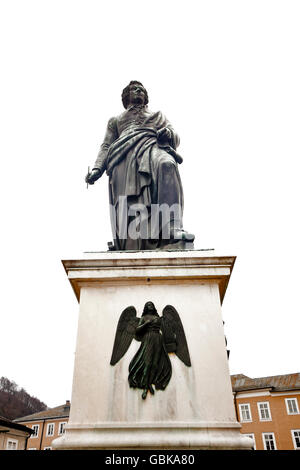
(149, 309)
(134, 93)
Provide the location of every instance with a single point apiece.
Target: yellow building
(13, 436)
(46, 426)
(268, 410)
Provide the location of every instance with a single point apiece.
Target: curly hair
(126, 91)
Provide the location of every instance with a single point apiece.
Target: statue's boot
(179, 234)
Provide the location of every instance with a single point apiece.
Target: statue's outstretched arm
(99, 167)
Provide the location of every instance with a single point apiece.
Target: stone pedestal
(196, 410)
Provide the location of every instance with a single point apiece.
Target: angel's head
(149, 309)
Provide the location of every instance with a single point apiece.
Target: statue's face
(150, 307)
(137, 94)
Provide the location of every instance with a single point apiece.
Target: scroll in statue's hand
(93, 176)
(164, 136)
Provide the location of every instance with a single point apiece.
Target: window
(245, 413)
(50, 429)
(296, 438)
(12, 444)
(269, 441)
(264, 411)
(253, 438)
(292, 406)
(35, 428)
(61, 428)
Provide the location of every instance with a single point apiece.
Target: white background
(226, 74)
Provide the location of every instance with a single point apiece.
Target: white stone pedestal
(196, 410)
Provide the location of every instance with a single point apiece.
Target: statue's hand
(93, 176)
(164, 136)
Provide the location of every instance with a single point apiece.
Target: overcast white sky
(227, 75)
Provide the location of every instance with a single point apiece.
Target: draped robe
(151, 364)
(141, 170)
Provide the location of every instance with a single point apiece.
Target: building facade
(13, 436)
(268, 409)
(46, 426)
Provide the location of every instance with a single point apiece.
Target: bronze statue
(159, 336)
(145, 192)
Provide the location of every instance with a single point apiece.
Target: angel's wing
(174, 336)
(125, 332)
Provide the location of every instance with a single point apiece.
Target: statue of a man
(145, 191)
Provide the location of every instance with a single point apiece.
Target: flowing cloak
(151, 364)
(133, 161)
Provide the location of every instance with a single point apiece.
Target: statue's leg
(168, 195)
(169, 186)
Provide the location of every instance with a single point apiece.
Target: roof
(4, 422)
(61, 411)
(277, 383)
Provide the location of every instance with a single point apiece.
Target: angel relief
(151, 365)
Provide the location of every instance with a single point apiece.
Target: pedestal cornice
(149, 267)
